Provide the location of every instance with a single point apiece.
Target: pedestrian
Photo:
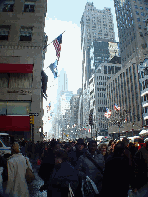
(48, 162)
(141, 171)
(75, 154)
(91, 164)
(116, 177)
(16, 185)
(63, 176)
(103, 151)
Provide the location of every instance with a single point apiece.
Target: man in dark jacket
(116, 178)
(75, 154)
(62, 177)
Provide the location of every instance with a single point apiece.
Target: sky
(65, 15)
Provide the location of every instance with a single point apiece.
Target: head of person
(146, 144)
(67, 147)
(125, 141)
(119, 149)
(103, 149)
(15, 148)
(60, 156)
(54, 145)
(92, 146)
(80, 144)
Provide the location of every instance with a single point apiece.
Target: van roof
(4, 134)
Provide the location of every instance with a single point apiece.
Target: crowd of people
(79, 169)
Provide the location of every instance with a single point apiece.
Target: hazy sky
(65, 15)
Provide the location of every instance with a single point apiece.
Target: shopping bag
(88, 187)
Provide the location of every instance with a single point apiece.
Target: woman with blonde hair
(16, 185)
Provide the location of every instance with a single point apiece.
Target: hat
(15, 147)
(80, 141)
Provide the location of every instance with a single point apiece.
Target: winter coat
(85, 168)
(47, 165)
(16, 185)
(74, 156)
(141, 168)
(62, 175)
(116, 177)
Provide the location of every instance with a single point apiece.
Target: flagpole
(51, 42)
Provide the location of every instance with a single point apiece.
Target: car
(4, 149)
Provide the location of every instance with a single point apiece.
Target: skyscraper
(95, 25)
(131, 20)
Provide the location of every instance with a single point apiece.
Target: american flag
(57, 44)
(107, 113)
(116, 107)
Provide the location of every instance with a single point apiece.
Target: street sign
(33, 114)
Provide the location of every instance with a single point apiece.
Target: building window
(7, 6)
(4, 32)
(29, 7)
(26, 33)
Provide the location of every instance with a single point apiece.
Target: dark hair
(110, 142)
(119, 148)
(61, 153)
(91, 142)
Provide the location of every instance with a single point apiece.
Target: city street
(33, 187)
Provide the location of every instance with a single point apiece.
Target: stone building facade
(22, 79)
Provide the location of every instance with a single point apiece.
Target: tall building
(101, 52)
(132, 29)
(95, 25)
(22, 40)
(98, 96)
(143, 80)
(123, 89)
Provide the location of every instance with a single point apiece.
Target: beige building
(22, 40)
(98, 98)
(123, 89)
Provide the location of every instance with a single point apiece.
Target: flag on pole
(107, 113)
(53, 68)
(116, 107)
(57, 44)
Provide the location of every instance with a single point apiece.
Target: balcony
(145, 104)
(145, 116)
(144, 92)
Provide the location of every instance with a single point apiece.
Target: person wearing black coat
(47, 165)
(116, 178)
(63, 177)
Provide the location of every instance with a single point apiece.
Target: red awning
(16, 68)
(14, 123)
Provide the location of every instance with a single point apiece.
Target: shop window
(4, 32)
(18, 108)
(2, 108)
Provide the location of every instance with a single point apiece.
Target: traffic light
(31, 119)
(90, 119)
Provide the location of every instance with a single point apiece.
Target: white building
(98, 96)
(143, 79)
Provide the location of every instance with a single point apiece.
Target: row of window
(16, 80)
(25, 33)
(102, 102)
(101, 95)
(8, 6)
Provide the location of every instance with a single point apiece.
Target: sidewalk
(37, 183)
